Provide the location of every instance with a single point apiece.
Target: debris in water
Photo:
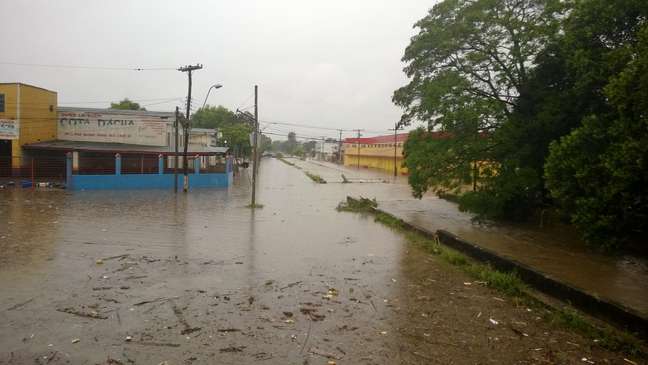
(187, 331)
(323, 353)
(128, 338)
(76, 340)
(99, 261)
(92, 314)
(493, 321)
(233, 349)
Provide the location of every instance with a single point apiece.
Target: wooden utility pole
(340, 147)
(256, 142)
(175, 158)
(358, 144)
(187, 124)
(397, 127)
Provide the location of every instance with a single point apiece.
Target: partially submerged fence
(28, 169)
(145, 171)
(128, 171)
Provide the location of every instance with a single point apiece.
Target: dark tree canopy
(126, 104)
(544, 103)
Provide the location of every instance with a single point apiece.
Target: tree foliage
(598, 173)
(468, 66)
(235, 131)
(546, 100)
(126, 104)
(213, 117)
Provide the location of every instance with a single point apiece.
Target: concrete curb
(608, 310)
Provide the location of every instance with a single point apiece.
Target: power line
(305, 126)
(116, 100)
(105, 68)
(300, 136)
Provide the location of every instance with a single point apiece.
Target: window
(2, 103)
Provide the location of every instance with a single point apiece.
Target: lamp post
(215, 86)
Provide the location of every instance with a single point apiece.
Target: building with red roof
(379, 152)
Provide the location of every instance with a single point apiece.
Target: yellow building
(376, 152)
(27, 115)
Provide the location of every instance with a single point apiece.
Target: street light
(216, 86)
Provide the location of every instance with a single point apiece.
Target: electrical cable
(105, 68)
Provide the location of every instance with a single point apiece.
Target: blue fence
(159, 180)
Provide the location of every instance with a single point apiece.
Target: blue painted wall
(150, 181)
(147, 181)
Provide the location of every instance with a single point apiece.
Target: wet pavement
(552, 250)
(144, 277)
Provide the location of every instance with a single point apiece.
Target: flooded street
(553, 250)
(144, 277)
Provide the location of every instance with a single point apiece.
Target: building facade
(381, 152)
(327, 150)
(27, 115)
(41, 142)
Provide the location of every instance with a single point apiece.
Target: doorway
(5, 157)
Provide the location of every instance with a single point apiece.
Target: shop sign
(9, 129)
(112, 128)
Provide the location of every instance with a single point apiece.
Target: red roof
(388, 138)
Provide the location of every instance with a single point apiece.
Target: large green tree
(598, 173)
(235, 130)
(126, 104)
(468, 66)
(213, 117)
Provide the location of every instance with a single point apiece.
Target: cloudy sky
(331, 63)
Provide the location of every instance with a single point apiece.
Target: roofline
(115, 111)
(121, 151)
(400, 137)
(28, 85)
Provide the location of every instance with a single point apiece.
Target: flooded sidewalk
(558, 253)
(149, 277)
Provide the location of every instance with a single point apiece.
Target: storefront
(38, 141)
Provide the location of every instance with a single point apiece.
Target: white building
(327, 150)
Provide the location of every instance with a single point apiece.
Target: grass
(286, 161)
(318, 179)
(507, 283)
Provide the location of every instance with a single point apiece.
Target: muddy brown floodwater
(146, 277)
(554, 250)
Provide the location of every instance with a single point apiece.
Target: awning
(70, 146)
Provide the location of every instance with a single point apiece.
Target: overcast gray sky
(329, 63)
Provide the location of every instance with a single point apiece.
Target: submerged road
(553, 250)
(144, 277)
